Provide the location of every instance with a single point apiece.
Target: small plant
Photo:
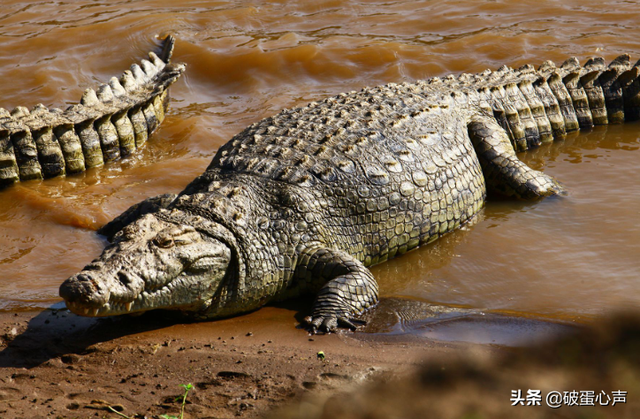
(186, 387)
(112, 410)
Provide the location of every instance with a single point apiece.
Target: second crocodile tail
(109, 122)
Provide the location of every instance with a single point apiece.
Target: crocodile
(304, 202)
(108, 123)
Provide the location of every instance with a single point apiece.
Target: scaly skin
(305, 201)
(107, 124)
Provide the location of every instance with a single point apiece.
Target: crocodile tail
(110, 122)
(536, 106)
(166, 49)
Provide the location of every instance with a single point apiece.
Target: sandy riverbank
(54, 364)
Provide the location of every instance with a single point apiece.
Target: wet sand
(591, 374)
(58, 365)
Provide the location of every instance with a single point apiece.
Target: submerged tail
(109, 122)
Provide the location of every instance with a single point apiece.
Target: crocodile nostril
(124, 278)
(81, 287)
(82, 277)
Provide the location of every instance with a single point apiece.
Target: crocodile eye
(163, 241)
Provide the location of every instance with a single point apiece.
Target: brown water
(570, 257)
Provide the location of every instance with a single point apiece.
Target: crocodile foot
(329, 324)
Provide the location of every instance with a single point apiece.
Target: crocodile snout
(82, 289)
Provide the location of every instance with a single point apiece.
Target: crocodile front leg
(349, 288)
(502, 169)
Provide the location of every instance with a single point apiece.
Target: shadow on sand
(57, 332)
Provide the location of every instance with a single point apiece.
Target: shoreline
(56, 364)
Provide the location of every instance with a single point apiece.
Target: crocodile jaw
(152, 264)
(184, 292)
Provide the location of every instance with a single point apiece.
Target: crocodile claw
(331, 324)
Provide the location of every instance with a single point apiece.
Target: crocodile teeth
(129, 305)
(95, 312)
(85, 311)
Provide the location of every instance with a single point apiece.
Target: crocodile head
(151, 264)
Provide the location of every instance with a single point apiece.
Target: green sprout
(112, 410)
(186, 387)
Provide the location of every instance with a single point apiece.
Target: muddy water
(570, 257)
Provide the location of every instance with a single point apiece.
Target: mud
(56, 365)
